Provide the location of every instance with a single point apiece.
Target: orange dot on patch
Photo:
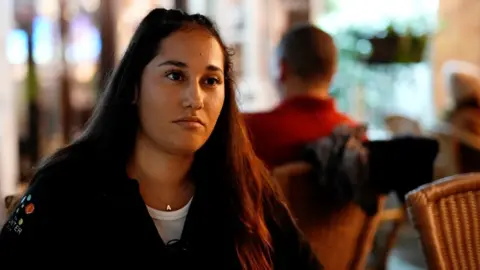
(29, 208)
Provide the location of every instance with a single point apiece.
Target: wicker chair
(447, 215)
(341, 240)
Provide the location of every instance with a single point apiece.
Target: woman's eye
(212, 81)
(175, 76)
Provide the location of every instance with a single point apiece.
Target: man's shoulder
(255, 122)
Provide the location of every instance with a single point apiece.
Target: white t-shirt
(170, 223)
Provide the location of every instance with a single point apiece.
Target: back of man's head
(309, 53)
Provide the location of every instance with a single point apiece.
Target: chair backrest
(459, 152)
(11, 202)
(447, 215)
(342, 239)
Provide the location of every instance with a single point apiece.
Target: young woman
(164, 174)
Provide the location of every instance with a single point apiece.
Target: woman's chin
(186, 148)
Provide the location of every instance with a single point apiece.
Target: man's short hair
(309, 52)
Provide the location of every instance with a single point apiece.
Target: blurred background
(55, 56)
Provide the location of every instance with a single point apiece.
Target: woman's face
(182, 92)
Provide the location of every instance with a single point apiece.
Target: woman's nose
(193, 96)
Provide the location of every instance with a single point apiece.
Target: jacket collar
(208, 225)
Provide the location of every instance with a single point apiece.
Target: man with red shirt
(306, 63)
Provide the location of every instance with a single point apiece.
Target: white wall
(167, 3)
(458, 39)
(198, 6)
(263, 25)
(8, 118)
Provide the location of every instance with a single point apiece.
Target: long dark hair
(227, 156)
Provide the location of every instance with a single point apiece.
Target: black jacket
(76, 217)
(348, 170)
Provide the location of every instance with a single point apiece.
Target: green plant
(395, 43)
(393, 46)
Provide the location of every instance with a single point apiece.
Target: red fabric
(279, 135)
